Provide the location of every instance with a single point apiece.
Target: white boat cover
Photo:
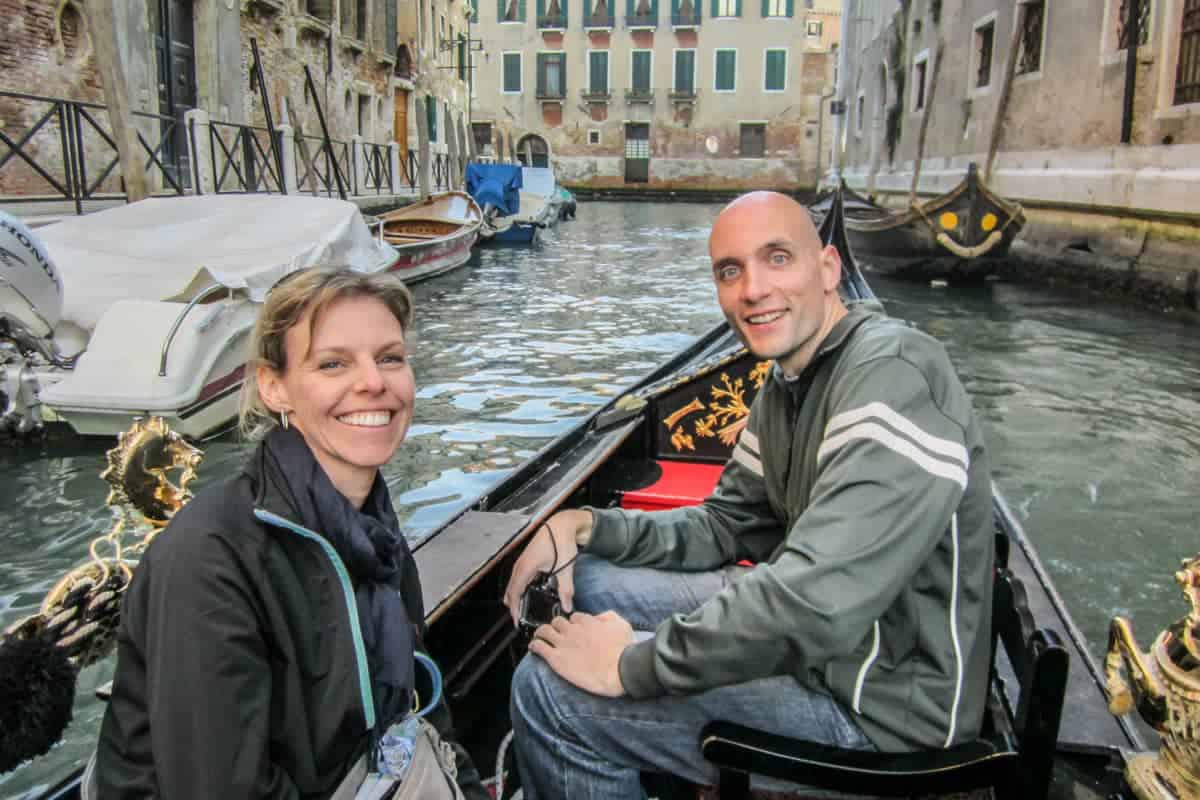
(172, 248)
(538, 180)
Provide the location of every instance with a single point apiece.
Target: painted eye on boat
(949, 220)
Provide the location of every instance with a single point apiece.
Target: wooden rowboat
(959, 235)
(432, 236)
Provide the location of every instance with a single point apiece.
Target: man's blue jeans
(578, 746)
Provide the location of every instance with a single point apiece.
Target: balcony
(599, 22)
(685, 21)
(595, 95)
(550, 94)
(552, 22)
(639, 97)
(641, 22)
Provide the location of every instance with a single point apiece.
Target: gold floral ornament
(1164, 684)
(728, 410)
(80, 614)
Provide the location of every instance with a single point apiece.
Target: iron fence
(242, 159)
(377, 170)
(315, 172)
(70, 153)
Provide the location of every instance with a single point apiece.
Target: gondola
(432, 236)
(957, 236)
(655, 446)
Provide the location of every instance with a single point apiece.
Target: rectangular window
(726, 71)
(858, 114)
(364, 112)
(641, 71)
(512, 73)
(1187, 69)
(985, 37)
(775, 74)
(685, 72)
(551, 75)
(598, 72)
(814, 28)
(482, 133)
(726, 8)
(431, 117)
(778, 8)
(753, 142)
(593, 137)
(920, 69)
(1029, 49)
(510, 10)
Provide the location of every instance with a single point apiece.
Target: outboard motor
(31, 301)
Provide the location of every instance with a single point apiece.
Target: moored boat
(432, 236)
(145, 309)
(959, 235)
(645, 450)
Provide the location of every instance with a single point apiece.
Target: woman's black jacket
(237, 671)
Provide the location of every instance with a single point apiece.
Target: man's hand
(586, 650)
(568, 529)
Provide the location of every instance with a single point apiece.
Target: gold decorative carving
(1164, 685)
(727, 410)
(82, 610)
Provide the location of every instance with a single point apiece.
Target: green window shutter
(766, 8)
(566, 6)
(512, 72)
(629, 8)
(674, 9)
(737, 10)
(716, 9)
(431, 117)
(598, 67)
(521, 10)
(500, 10)
(541, 73)
(791, 8)
(685, 70)
(776, 77)
(654, 9)
(541, 10)
(726, 71)
(641, 70)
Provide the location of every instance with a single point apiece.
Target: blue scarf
(376, 554)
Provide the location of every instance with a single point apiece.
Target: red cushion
(682, 484)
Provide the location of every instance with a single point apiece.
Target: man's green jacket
(861, 489)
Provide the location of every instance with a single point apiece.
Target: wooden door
(400, 122)
(637, 152)
(174, 45)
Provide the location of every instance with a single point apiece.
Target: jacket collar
(271, 491)
(834, 341)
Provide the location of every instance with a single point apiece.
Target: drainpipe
(821, 128)
(1133, 34)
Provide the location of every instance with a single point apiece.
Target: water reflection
(1092, 413)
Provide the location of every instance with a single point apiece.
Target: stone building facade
(375, 65)
(1130, 206)
(717, 95)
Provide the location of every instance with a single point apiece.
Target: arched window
(532, 151)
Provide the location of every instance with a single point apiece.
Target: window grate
(1123, 23)
(984, 38)
(1187, 70)
(1029, 52)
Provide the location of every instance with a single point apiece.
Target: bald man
(859, 487)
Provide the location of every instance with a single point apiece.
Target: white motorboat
(146, 309)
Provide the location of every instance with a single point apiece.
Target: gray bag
(432, 774)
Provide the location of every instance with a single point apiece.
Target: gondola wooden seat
(1013, 755)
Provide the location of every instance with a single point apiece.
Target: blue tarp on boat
(497, 185)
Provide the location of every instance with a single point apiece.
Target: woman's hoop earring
(283, 421)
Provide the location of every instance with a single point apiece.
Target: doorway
(175, 53)
(637, 152)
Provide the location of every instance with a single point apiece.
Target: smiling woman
(269, 636)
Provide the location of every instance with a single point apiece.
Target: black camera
(539, 603)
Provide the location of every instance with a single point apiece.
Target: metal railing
(377, 170)
(553, 21)
(639, 95)
(242, 160)
(604, 21)
(441, 171)
(641, 21)
(69, 151)
(680, 19)
(315, 168)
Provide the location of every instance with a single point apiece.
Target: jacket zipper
(360, 650)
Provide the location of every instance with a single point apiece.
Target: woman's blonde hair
(301, 294)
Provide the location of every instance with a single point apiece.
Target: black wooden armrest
(735, 747)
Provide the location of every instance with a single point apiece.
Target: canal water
(1092, 413)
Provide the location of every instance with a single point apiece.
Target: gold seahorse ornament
(1164, 685)
(81, 612)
